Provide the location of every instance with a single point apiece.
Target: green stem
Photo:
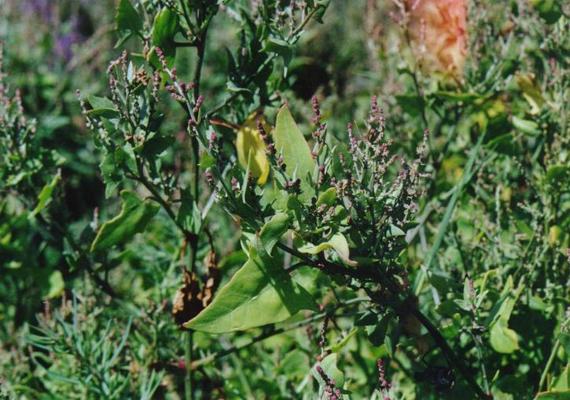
(201, 49)
(548, 365)
(448, 352)
(188, 377)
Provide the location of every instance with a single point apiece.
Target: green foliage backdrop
(284, 199)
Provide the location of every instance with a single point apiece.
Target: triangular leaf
(127, 18)
(133, 218)
(164, 29)
(260, 293)
(45, 195)
(273, 230)
(101, 107)
(291, 144)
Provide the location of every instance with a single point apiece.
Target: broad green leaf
(291, 144)
(527, 127)
(553, 395)
(337, 243)
(101, 107)
(279, 46)
(273, 230)
(133, 218)
(549, 10)
(164, 29)
(295, 364)
(127, 18)
(312, 279)
(45, 195)
(531, 92)
(328, 197)
(502, 338)
(563, 381)
(395, 231)
(251, 148)
(260, 293)
(56, 285)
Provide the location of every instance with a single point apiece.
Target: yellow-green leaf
(337, 242)
(251, 148)
(531, 92)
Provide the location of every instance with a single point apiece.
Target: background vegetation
(129, 199)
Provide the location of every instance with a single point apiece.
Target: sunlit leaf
(553, 395)
(329, 364)
(337, 242)
(273, 230)
(502, 338)
(291, 144)
(101, 107)
(531, 92)
(260, 293)
(251, 148)
(133, 218)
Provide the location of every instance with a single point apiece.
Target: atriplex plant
(340, 209)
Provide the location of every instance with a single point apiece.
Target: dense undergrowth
(275, 199)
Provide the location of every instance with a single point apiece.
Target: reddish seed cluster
(235, 184)
(331, 391)
(316, 111)
(293, 186)
(384, 384)
(198, 105)
(209, 177)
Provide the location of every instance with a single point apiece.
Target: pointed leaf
(273, 230)
(127, 18)
(101, 107)
(291, 144)
(45, 195)
(503, 339)
(337, 243)
(329, 366)
(554, 395)
(260, 293)
(328, 197)
(164, 29)
(133, 218)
